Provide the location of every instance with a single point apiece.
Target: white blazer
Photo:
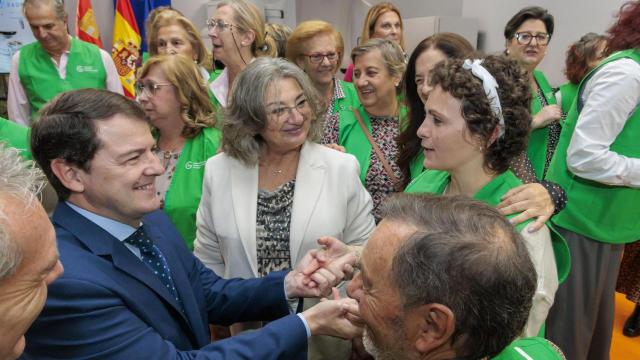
(328, 199)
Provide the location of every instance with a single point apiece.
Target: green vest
(436, 181)
(350, 99)
(351, 136)
(40, 78)
(568, 93)
(601, 212)
(539, 138)
(183, 196)
(217, 108)
(15, 136)
(530, 348)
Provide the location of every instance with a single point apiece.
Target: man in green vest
(597, 162)
(444, 277)
(54, 63)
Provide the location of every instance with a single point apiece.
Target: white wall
(573, 18)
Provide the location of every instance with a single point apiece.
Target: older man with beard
(445, 278)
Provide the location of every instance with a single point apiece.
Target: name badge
(86, 68)
(194, 165)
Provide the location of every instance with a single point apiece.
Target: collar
(115, 228)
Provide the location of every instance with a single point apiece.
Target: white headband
(490, 86)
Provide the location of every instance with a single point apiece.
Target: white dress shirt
(609, 98)
(18, 105)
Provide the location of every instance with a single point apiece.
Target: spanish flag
(126, 46)
(86, 26)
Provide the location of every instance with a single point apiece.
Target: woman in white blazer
(273, 192)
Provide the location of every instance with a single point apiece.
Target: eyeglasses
(525, 38)
(318, 58)
(286, 111)
(219, 23)
(148, 89)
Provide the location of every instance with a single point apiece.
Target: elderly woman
(530, 199)
(383, 21)
(527, 35)
(175, 101)
(175, 34)
(369, 131)
(317, 48)
(238, 35)
(273, 191)
(582, 57)
(477, 120)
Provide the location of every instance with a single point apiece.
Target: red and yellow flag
(86, 26)
(126, 45)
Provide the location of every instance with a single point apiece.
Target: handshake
(315, 276)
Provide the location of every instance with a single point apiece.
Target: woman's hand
(532, 201)
(546, 116)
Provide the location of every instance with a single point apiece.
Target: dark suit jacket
(109, 305)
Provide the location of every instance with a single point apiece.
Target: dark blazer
(109, 305)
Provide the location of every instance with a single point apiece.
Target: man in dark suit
(131, 289)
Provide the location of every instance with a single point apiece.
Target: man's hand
(546, 116)
(337, 317)
(532, 201)
(321, 269)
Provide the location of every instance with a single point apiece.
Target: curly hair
(580, 54)
(245, 116)
(515, 96)
(624, 33)
(196, 110)
(453, 46)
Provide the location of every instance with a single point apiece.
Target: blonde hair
(280, 34)
(247, 17)
(307, 30)
(372, 17)
(196, 110)
(193, 35)
(155, 15)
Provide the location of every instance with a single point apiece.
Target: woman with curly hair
(582, 57)
(598, 160)
(477, 120)
(175, 101)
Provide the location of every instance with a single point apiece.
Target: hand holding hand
(532, 201)
(337, 317)
(321, 269)
(546, 116)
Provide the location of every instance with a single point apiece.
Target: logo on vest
(86, 68)
(194, 165)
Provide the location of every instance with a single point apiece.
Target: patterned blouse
(273, 223)
(384, 130)
(554, 134)
(169, 160)
(332, 118)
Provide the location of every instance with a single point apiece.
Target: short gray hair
(392, 54)
(245, 116)
(467, 256)
(56, 5)
(20, 179)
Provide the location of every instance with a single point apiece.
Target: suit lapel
(244, 195)
(309, 182)
(103, 244)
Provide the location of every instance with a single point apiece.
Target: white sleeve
(113, 80)
(18, 105)
(360, 222)
(544, 261)
(609, 97)
(206, 246)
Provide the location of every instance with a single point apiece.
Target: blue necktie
(153, 258)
